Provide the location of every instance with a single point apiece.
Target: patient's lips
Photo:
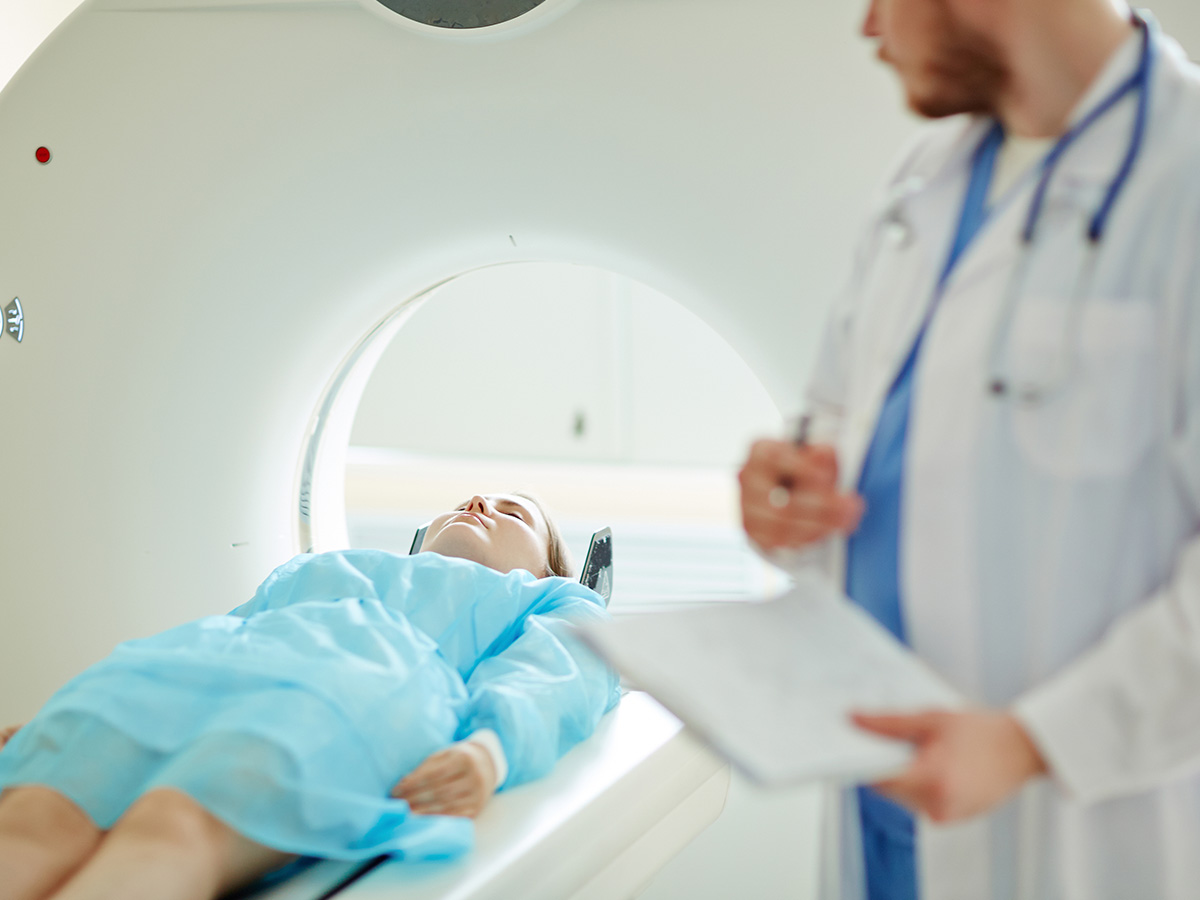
(466, 512)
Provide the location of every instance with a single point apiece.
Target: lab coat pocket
(1085, 388)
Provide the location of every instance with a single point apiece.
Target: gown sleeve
(545, 692)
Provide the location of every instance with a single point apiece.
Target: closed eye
(515, 510)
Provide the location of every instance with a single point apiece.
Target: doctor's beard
(966, 73)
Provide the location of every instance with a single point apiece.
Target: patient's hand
(7, 733)
(456, 781)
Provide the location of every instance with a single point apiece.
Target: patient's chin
(458, 546)
(466, 543)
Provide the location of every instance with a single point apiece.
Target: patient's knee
(170, 817)
(44, 817)
(167, 827)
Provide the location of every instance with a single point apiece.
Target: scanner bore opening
(612, 402)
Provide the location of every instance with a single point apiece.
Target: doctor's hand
(967, 763)
(456, 781)
(790, 495)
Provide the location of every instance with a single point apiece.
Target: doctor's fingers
(925, 795)
(912, 727)
(843, 511)
(801, 511)
(820, 499)
(770, 530)
(808, 466)
(926, 786)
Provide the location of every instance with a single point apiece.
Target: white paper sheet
(770, 685)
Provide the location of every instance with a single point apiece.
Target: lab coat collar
(1121, 64)
(1082, 166)
(1087, 168)
(967, 132)
(1098, 154)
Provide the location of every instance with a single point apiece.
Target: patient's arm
(456, 781)
(544, 693)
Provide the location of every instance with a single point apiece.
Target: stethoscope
(999, 383)
(1067, 363)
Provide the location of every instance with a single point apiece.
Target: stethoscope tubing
(998, 384)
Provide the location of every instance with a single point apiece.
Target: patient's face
(501, 531)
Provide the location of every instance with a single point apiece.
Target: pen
(779, 495)
(802, 429)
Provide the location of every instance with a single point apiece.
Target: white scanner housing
(242, 199)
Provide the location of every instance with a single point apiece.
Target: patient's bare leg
(168, 847)
(44, 838)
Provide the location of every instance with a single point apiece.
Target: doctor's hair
(558, 557)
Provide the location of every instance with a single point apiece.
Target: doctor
(1004, 457)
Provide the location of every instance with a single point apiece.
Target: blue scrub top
(873, 551)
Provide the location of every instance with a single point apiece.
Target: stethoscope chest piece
(898, 234)
(898, 231)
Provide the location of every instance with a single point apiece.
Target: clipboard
(770, 685)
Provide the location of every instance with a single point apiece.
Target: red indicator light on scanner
(43, 155)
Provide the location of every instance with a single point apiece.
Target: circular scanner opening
(461, 13)
(610, 401)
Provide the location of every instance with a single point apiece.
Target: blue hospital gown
(292, 717)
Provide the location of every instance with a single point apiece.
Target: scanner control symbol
(14, 319)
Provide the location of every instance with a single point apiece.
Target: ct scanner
(213, 213)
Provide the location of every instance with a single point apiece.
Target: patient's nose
(479, 503)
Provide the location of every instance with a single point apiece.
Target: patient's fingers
(433, 785)
(447, 793)
(456, 781)
(437, 770)
(459, 797)
(439, 766)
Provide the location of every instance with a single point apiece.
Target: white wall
(559, 362)
(1181, 20)
(23, 25)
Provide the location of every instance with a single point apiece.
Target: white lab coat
(1050, 555)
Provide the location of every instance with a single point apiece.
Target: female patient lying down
(345, 711)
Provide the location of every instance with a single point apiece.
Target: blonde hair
(558, 557)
